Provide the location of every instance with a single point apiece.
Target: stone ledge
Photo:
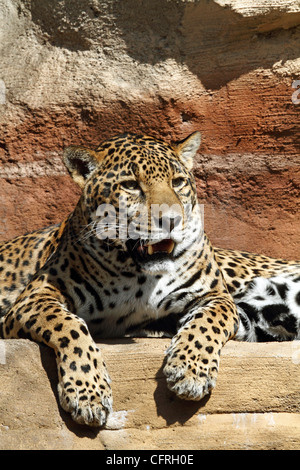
(255, 404)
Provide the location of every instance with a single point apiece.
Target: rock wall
(254, 406)
(77, 72)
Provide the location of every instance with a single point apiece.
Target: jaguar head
(139, 196)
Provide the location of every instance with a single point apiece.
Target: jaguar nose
(167, 223)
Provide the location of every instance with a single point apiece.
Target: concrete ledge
(256, 404)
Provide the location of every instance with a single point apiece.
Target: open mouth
(144, 251)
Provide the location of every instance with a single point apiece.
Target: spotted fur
(66, 284)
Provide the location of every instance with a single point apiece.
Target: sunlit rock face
(77, 72)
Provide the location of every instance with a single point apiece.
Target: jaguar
(133, 259)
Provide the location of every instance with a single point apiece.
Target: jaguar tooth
(171, 247)
(150, 250)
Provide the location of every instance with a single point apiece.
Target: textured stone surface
(81, 71)
(254, 406)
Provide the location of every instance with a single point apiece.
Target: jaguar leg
(194, 354)
(83, 382)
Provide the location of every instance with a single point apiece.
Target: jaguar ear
(187, 149)
(80, 163)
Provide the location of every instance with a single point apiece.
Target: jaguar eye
(178, 183)
(131, 185)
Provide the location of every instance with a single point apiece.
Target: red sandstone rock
(82, 72)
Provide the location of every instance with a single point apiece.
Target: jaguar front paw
(189, 374)
(85, 392)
